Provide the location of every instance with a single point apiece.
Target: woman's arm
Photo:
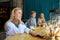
(32, 33)
(36, 34)
(27, 30)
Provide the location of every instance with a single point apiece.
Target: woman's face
(18, 14)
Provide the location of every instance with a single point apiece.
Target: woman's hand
(36, 34)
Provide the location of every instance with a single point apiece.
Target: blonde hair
(12, 15)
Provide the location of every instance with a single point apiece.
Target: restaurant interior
(50, 9)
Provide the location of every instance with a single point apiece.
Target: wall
(3, 0)
(59, 4)
(17, 3)
(40, 6)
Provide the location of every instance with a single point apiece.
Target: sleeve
(39, 21)
(11, 30)
(44, 19)
(26, 30)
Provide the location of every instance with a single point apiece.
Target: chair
(2, 35)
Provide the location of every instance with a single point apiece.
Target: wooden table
(25, 36)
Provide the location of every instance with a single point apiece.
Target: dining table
(26, 36)
(45, 31)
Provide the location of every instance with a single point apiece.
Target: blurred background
(39, 6)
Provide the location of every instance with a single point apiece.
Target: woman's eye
(19, 12)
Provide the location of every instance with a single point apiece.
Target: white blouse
(11, 29)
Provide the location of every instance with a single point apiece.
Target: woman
(32, 20)
(41, 19)
(15, 25)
